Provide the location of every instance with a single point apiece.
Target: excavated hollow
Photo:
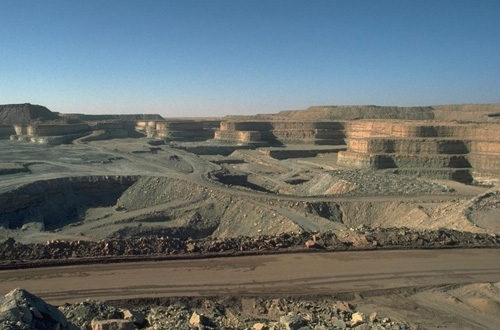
(54, 203)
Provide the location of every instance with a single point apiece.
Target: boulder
(292, 321)
(260, 326)
(357, 319)
(113, 325)
(191, 247)
(344, 306)
(373, 317)
(29, 311)
(136, 317)
(199, 321)
(339, 324)
(311, 244)
(81, 314)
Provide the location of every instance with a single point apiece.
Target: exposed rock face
(405, 140)
(457, 151)
(179, 130)
(277, 132)
(20, 309)
(6, 131)
(35, 123)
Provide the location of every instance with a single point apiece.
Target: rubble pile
(22, 310)
(14, 253)
(226, 313)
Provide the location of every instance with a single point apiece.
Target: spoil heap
(22, 310)
(19, 114)
(354, 112)
(22, 114)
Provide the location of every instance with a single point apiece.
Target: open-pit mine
(249, 207)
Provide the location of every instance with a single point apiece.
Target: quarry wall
(183, 130)
(281, 132)
(56, 129)
(459, 151)
(414, 140)
(6, 131)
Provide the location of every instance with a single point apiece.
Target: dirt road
(312, 273)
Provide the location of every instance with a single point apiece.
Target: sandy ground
(427, 288)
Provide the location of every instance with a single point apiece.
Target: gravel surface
(369, 182)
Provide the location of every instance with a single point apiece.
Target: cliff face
(18, 114)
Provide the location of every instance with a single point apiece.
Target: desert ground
(398, 216)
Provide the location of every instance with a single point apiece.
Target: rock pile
(20, 310)
(227, 313)
(358, 182)
(14, 254)
(98, 315)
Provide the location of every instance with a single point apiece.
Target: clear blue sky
(212, 58)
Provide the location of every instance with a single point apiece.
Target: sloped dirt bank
(54, 203)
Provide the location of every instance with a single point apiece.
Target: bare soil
(422, 289)
(126, 198)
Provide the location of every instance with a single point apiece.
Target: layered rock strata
(281, 132)
(456, 151)
(181, 130)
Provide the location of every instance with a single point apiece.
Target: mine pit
(296, 181)
(55, 203)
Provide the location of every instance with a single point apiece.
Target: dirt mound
(130, 117)
(182, 209)
(479, 214)
(16, 114)
(353, 112)
(191, 210)
(366, 182)
(467, 112)
(482, 297)
(186, 313)
(484, 210)
(449, 112)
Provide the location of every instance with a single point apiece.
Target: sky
(220, 57)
